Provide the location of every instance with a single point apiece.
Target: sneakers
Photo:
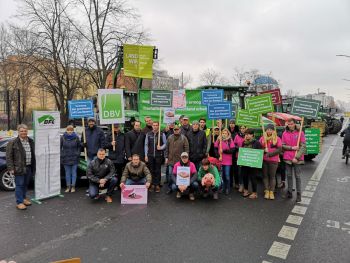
(157, 189)
(241, 189)
(191, 196)
(298, 198)
(245, 193)
(281, 185)
(67, 189)
(253, 196)
(272, 195)
(289, 195)
(178, 195)
(109, 199)
(216, 196)
(72, 190)
(151, 188)
(21, 207)
(26, 202)
(267, 194)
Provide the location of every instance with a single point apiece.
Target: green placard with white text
(138, 61)
(313, 138)
(260, 104)
(246, 119)
(111, 106)
(250, 157)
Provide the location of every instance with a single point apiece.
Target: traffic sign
(212, 96)
(305, 107)
(260, 104)
(219, 111)
(80, 109)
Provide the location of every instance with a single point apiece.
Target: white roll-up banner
(47, 153)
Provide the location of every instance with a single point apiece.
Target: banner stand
(38, 201)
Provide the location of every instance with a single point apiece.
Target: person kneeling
(136, 173)
(209, 178)
(101, 174)
(192, 184)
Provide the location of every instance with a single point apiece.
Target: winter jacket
(16, 156)
(136, 173)
(274, 151)
(70, 149)
(198, 145)
(117, 156)
(100, 169)
(254, 144)
(147, 129)
(185, 130)
(95, 139)
(174, 147)
(238, 142)
(212, 150)
(151, 143)
(214, 171)
(346, 134)
(193, 171)
(290, 139)
(227, 151)
(168, 132)
(134, 143)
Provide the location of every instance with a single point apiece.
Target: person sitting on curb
(205, 169)
(136, 173)
(193, 187)
(101, 174)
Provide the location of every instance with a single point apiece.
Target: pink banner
(134, 194)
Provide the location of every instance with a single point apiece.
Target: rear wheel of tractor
(336, 126)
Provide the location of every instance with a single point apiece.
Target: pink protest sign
(134, 194)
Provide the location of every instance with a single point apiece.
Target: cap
(185, 118)
(91, 119)
(232, 121)
(195, 122)
(270, 126)
(184, 154)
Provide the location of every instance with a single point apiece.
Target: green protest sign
(162, 98)
(313, 139)
(305, 108)
(111, 106)
(138, 61)
(246, 119)
(260, 104)
(250, 157)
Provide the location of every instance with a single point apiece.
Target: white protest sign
(183, 175)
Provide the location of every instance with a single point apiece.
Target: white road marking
(301, 210)
(264, 261)
(295, 220)
(333, 224)
(307, 194)
(288, 232)
(310, 188)
(313, 183)
(279, 250)
(305, 201)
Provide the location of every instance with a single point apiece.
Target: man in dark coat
(198, 144)
(134, 142)
(95, 139)
(185, 127)
(346, 142)
(20, 158)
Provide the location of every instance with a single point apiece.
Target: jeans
(154, 165)
(226, 177)
(289, 171)
(139, 182)
(212, 189)
(22, 182)
(71, 174)
(193, 187)
(169, 173)
(269, 171)
(282, 168)
(94, 187)
(249, 174)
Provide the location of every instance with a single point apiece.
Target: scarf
(248, 143)
(70, 137)
(272, 138)
(185, 164)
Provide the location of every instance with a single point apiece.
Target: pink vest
(275, 158)
(291, 139)
(226, 145)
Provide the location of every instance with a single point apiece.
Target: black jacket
(198, 145)
(346, 134)
(95, 139)
(70, 150)
(16, 156)
(117, 156)
(98, 169)
(134, 143)
(185, 130)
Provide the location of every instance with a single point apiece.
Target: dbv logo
(111, 106)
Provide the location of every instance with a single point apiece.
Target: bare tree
(105, 24)
(292, 93)
(184, 80)
(212, 77)
(243, 77)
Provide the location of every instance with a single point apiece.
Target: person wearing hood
(293, 156)
(95, 139)
(198, 144)
(346, 142)
(70, 155)
(225, 148)
(273, 148)
(238, 142)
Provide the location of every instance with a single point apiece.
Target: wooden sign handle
(113, 136)
(299, 136)
(84, 138)
(160, 118)
(264, 133)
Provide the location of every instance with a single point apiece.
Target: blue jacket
(70, 149)
(95, 139)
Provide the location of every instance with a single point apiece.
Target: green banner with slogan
(305, 107)
(260, 104)
(250, 157)
(194, 109)
(313, 140)
(246, 119)
(138, 61)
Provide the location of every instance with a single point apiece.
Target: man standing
(148, 127)
(95, 139)
(134, 142)
(176, 144)
(20, 158)
(117, 156)
(101, 175)
(198, 144)
(154, 155)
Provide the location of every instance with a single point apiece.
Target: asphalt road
(232, 229)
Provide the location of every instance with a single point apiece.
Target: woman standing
(272, 145)
(238, 142)
(225, 148)
(70, 153)
(233, 129)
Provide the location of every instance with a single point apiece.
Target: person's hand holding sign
(102, 182)
(182, 188)
(114, 143)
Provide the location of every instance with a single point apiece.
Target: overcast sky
(296, 40)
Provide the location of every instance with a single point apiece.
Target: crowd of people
(136, 157)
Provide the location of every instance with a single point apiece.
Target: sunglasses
(184, 157)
